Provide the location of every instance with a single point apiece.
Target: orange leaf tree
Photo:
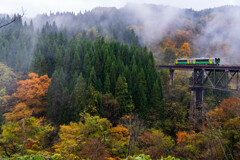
(228, 109)
(33, 92)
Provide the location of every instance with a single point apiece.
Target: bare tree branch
(15, 19)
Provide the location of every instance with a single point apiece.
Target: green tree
(94, 103)
(140, 96)
(92, 78)
(122, 95)
(79, 95)
(55, 96)
(76, 63)
(107, 84)
(156, 103)
(86, 65)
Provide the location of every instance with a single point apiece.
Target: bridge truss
(224, 78)
(220, 77)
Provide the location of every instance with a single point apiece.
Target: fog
(218, 36)
(222, 34)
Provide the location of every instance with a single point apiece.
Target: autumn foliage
(185, 51)
(156, 144)
(33, 92)
(34, 89)
(20, 111)
(183, 136)
(88, 139)
(120, 132)
(228, 109)
(22, 132)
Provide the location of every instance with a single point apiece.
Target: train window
(202, 60)
(182, 60)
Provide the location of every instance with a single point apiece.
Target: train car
(210, 61)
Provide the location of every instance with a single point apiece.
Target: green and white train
(213, 61)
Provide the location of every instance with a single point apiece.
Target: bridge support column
(171, 76)
(197, 108)
(198, 96)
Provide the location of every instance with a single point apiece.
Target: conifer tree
(75, 67)
(140, 101)
(92, 78)
(107, 65)
(121, 94)
(128, 76)
(99, 85)
(141, 79)
(99, 105)
(156, 100)
(55, 95)
(113, 77)
(94, 103)
(59, 57)
(107, 84)
(139, 94)
(39, 65)
(86, 65)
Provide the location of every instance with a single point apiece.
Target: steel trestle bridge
(220, 77)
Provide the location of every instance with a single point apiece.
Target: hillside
(85, 85)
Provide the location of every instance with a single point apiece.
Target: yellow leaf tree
(185, 51)
(77, 140)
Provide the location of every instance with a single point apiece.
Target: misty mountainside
(210, 28)
(209, 33)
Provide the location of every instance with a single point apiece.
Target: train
(204, 61)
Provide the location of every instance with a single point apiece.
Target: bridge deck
(221, 77)
(193, 66)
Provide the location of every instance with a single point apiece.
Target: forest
(85, 86)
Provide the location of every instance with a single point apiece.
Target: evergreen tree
(60, 52)
(39, 65)
(99, 85)
(94, 104)
(76, 62)
(66, 113)
(79, 95)
(156, 100)
(107, 65)
(55, 96)
(121, 94)
(113, 78)
(140, 96)
(140, 100)
(107, 84)
(92, 78)
(141, 80)
(127, 74)
(99, 105)
(86, 65)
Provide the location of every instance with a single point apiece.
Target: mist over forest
(85, 85)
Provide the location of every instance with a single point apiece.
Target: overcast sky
(34, 7)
